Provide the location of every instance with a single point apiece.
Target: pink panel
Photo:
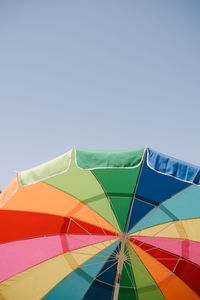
(185, 248)
(15, 257)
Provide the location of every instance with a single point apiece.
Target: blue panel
(157, 187)
(173, 167)
(100, 290)
(140, 209)
(75, 285)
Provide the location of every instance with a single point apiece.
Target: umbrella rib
(120, 261)
(88, 232)
(131, 279)
(163, 210)
(172, 273)
(92, 214)
(107, 268)
(108, 198)
(134, 192)
(98, 263)
(168, 224)
(93, 245)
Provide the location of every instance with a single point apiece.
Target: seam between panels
(59, 255)
(133, 287)
(129, 214)
(171, 272)
(157, 207)
(98, 223)
(95, 278)
(156, 284)
(179, 257)
(167, 223)
(79, 267)
(134, 192)
(110, 203)
(90, 234)
(66, 277)
(136, 292)
(83, 203)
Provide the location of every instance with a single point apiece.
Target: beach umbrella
(102, 225)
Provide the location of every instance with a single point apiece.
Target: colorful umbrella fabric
(102, 225)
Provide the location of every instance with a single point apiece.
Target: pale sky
(104, 74)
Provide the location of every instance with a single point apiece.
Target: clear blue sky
(98, 74)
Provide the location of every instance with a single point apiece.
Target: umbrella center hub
(121, 255)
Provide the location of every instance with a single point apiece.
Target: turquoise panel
(154, 217)
(186, 204)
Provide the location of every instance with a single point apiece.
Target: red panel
(17, 225)
(189, 273)
(186, 270)
(168, 259)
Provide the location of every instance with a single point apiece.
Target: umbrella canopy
(102, 225)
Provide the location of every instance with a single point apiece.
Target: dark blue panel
(140, 209)
(99, 290)
(157, 187)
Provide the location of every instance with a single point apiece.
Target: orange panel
(171, 286)
(43, 198)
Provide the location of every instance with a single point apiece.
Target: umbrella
(95, 224)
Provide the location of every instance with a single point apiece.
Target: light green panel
(48, 169)
(83, 185)
(89, 159)
(145, 284)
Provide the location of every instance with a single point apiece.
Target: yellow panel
(192, 228)
(36, 282)
(184, 229)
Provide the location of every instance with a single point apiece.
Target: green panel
(127, 278)
(121, 208)
(43, 171)
(127, 282)
(119, 184)
(127, 294)
(147, 288)
(83, 185)
(89, 159)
